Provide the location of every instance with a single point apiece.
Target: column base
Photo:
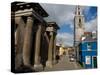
(49, 64)
(38, 67)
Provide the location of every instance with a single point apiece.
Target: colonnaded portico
(35, 39)
(52, 29)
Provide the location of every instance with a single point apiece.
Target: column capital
(30, 17)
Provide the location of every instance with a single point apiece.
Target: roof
(89, 40)
(87, 32)
(15, 6)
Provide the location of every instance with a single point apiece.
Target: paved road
(64, 64)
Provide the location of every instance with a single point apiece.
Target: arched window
(80, 23)
(78, 12)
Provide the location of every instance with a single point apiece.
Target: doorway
(94, 62)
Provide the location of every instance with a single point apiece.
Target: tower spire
(78, 10)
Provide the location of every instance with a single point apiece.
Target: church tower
(78, 25)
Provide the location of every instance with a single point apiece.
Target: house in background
(88, 50)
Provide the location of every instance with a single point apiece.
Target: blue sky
(90, 14)
(63, 15)
(65, 28)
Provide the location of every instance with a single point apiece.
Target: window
(80, 22)
(79, 12)
(89, 46)
(87, 60)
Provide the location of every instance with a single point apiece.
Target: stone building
(34, 37)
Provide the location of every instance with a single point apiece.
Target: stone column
(27, 41)
(45, 34)
(19, 35)
(49, 62)
(37, 64)
(54, 50)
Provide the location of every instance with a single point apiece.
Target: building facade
(88, 52)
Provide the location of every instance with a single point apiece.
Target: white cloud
(91, 25)
(60, 13)
(65, 38)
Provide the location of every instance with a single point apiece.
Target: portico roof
(15, 6)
